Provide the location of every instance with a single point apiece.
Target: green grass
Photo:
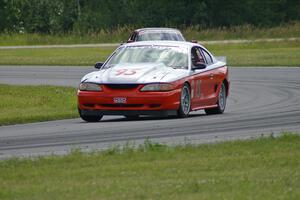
(262, 169)
(122, 34)
(285, 53)
(242, 32)
(22, 104)
(104, 36)
(54, 56)
(259, 53)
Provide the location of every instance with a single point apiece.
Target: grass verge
(242, 32)
(23, 104)
(266, 168)
(259, 53)
(54, 56)
(122, 33)
(284, 53)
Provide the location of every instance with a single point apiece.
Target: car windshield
(175, 57)
(155, 35)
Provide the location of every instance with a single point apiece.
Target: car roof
(157, 29)
(163, 43)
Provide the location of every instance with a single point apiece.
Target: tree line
(91, 16)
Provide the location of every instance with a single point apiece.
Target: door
(212, 78)
(202, 82)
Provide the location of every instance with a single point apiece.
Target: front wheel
(185, 102)
(90, 118)
(221, 102)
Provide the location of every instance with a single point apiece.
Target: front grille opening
(154, 105)
(122, 86)
(89, 105)
(122, 105)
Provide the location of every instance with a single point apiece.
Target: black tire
(185, 102)
(90, 118)
(221, 102)
(132, 117)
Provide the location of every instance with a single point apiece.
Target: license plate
(120, 100)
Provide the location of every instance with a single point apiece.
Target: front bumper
(137, 103)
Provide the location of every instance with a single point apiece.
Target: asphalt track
(262, 101)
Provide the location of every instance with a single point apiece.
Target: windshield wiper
(108, 66)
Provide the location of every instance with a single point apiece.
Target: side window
(208, 58)
(132, 37)
(197, 56)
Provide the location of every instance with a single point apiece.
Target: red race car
(154, 78)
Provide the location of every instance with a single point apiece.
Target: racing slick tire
(90, 118)
(185, 102)
(221, 102)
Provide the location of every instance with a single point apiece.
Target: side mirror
(98, 65)
(194, 41)
(198, 66)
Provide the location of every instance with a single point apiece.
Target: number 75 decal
(126, 72)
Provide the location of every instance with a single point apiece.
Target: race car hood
(135, 73)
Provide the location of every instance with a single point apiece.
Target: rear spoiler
(221, 58)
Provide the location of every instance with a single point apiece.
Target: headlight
(158, 87)
(89, 87)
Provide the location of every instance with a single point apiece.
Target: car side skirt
(204, 107)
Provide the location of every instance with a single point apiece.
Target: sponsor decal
(198, 88)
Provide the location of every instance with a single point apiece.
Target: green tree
(88, 16)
